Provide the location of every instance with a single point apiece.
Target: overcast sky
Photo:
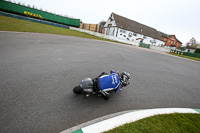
(179, 17)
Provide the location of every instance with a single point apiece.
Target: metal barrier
(185, 53)
(144, 45)
(24, 10)
(33, 20)
(191, 54)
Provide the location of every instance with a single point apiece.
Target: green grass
(13, 24)
(184, 56)
(168, 123)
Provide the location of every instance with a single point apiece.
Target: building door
(108, 29)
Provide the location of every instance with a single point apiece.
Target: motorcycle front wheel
(78, 90)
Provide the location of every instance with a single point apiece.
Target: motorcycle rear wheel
(78, 90)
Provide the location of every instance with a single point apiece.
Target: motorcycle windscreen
(87, 84)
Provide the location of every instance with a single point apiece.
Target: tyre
(78, 90)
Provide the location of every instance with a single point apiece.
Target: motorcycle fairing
(87, 85)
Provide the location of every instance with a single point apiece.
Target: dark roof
(136, 27)
(164, 35)
(167, 36)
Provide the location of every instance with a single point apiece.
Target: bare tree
(193, 41)
(192, 44)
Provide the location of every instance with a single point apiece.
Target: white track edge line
(131, 117)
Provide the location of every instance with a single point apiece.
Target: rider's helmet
(125, 78)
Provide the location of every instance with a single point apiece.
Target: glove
(106, 95)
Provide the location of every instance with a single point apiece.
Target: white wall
(111, 30)
(114, 38)
(110, 22)
(191, 50)
(120, 39)
(128, 36)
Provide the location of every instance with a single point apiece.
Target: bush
(183, 48)
(197, 51)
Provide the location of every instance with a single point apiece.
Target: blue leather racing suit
(109, 82)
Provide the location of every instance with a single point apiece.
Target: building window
(135, 34)
(130, 34)
(113, 32)
(108, 31)
(144, 37)
(123, 31)
(153, 41)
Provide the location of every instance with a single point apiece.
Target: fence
(192, 54)
(33, 20)
(92, 27)
(185, 53)
(27, 11)
(144, 45)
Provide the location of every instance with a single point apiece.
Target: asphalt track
(39, 71)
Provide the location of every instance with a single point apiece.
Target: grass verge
(167, 123)
(184, 56)
(13, 24)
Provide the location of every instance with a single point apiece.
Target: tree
(193, 41)
(182, 48)
(192, 44)
(102, 23)
(197, 51)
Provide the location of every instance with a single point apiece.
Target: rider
(114, 81)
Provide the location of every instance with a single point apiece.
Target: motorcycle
(90, 86)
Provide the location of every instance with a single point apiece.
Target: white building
(128, 31)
